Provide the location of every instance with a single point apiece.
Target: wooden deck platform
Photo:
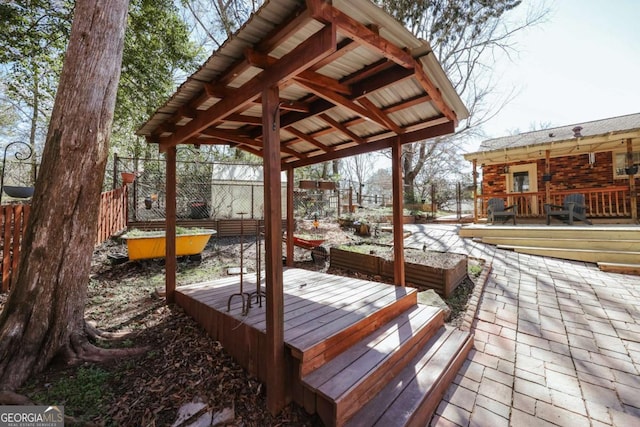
(600, 244)
(345, 338)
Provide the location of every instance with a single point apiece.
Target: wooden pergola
(304, 82)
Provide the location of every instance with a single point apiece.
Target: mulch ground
(184, 365)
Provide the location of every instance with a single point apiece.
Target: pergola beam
(370, 106)
(384, 77)
(381, 144)
(303, 136)
(357, 31)
(302, 57)
(290, 26)
(341, 128)
(263, 61)
(434, 93)
(342, 101)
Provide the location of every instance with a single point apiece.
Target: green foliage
(84, 394)
(156, 47)
(32, 46)
(135, 232)
(32, 43)
(474, 270)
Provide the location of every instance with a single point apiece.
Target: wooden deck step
(412, 396)
(338, 388)
(585, 255)
(573, 243)
(616, 267)
(614, 232)
(338, 334)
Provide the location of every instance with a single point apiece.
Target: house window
(520, 182)
(620, 163)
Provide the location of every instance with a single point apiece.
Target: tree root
(11, 398)
(81, 350)
(98, 334)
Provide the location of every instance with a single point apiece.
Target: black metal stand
(19, 156)
(246, 305)
(259, 293)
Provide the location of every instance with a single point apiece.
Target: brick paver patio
(556, 342)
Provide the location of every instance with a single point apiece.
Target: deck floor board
(313, 312)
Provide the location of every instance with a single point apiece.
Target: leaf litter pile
(184, 367)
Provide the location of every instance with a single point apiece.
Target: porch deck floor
(317, 306)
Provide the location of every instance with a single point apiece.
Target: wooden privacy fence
(13, 220)
(113, 213)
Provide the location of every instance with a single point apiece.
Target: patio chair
(573, 207)
(497, 209)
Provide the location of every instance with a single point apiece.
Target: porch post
(398, 205)
(170, 226)
(547, 171)
(475, 191)
(273, 248)
(632, 182)
(290, 217)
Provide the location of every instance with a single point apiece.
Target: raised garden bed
(442, 272)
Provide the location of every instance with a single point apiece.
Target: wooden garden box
(443, 280)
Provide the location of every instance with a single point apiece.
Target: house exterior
(599, 158)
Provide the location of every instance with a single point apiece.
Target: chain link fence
(208, 190)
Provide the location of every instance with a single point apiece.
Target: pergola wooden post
(290, 218)
(170, 226)
(398, 217)
(273, 248)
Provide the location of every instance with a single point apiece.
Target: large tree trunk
(414, 158)
(44, 314)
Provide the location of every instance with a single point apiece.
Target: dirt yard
(184, 365)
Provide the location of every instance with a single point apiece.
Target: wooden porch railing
(611, 202)
(13, 220)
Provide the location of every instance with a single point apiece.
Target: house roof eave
(603, 142)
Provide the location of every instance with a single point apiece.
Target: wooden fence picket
(14, 218)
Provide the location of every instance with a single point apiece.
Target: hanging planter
(18, 192)
(308, 185)
(326, 185)
(128, 177)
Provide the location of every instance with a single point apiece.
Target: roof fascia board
(555, 145)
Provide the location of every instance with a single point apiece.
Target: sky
(582, 64)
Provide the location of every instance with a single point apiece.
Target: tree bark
(44, 314)
(412, 166)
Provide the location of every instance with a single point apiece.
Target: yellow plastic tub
(153, 244)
